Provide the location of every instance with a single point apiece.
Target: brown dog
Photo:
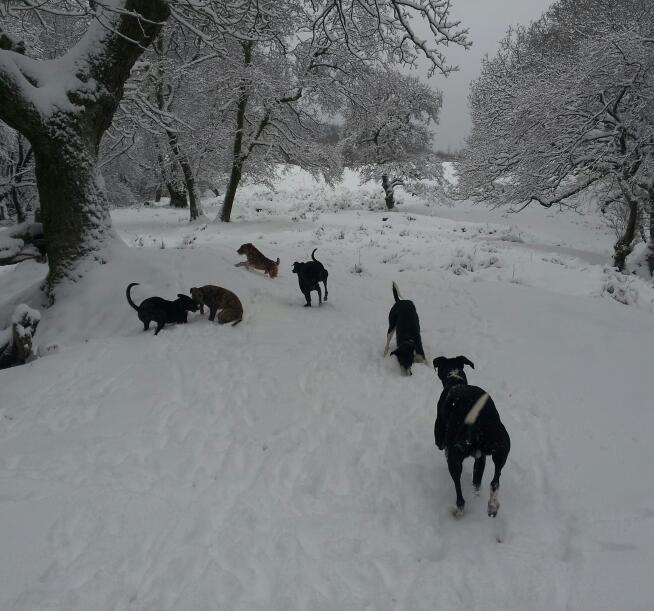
(256, 259)
(217, 298)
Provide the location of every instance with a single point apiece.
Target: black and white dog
(403, 320)
(309, 274)
(162, 311)
(467, 424)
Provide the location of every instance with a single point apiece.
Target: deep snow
(284, 464)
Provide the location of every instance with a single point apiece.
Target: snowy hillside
(284, 464)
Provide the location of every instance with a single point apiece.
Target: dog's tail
(236, 322)
(396, 292)
(313, 253)
(129, 297)
(474, 412)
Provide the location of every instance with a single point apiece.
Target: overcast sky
(487, 20)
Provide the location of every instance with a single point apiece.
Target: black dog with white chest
(403, 321)
(309, 274)
(162, 311)
(468, 424)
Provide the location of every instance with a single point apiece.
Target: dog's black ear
(464, 360)
(438, 361)
(183, 296)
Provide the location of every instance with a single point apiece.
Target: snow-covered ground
(284, 464)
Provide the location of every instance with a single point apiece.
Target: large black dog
(403, 320)
(309, 274)
(467, 424)
(161, 310)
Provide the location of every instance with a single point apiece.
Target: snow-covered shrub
(17, 343)
(9, 247)
(619, 286)
(467, 260)
(511, 234)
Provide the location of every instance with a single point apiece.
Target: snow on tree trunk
(63, 107)
(73, 202)
(650, 255)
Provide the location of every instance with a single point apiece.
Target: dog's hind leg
(420, 353)
(319, 293)
(325, 283)
(389, 337)
(478, 472)
(228, 315)
(160, 325)
(499, 459)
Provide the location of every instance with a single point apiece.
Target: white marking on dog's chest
(473, 414)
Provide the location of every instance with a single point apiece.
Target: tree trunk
(650, 254)
(388, 187)
(195, 204)
(73, 203)
(177, 196)
(158, 193)
(624, 245)
(237, 148)
(66, 137)
(230, 193)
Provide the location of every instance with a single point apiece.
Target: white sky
(487, 20)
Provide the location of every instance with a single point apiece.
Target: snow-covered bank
(283, 464)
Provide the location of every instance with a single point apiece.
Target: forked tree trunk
(189, 180)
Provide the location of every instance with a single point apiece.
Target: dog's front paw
(493, 505)
(458, 512)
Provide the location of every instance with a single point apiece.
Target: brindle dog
(217, 298)
(256, 259)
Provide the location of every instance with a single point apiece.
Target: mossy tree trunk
(66, 135)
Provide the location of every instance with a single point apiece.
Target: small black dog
(161, 310)
(309, 274)
(403, 319)
(467, 424)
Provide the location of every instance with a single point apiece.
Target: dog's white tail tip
(473, 414)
